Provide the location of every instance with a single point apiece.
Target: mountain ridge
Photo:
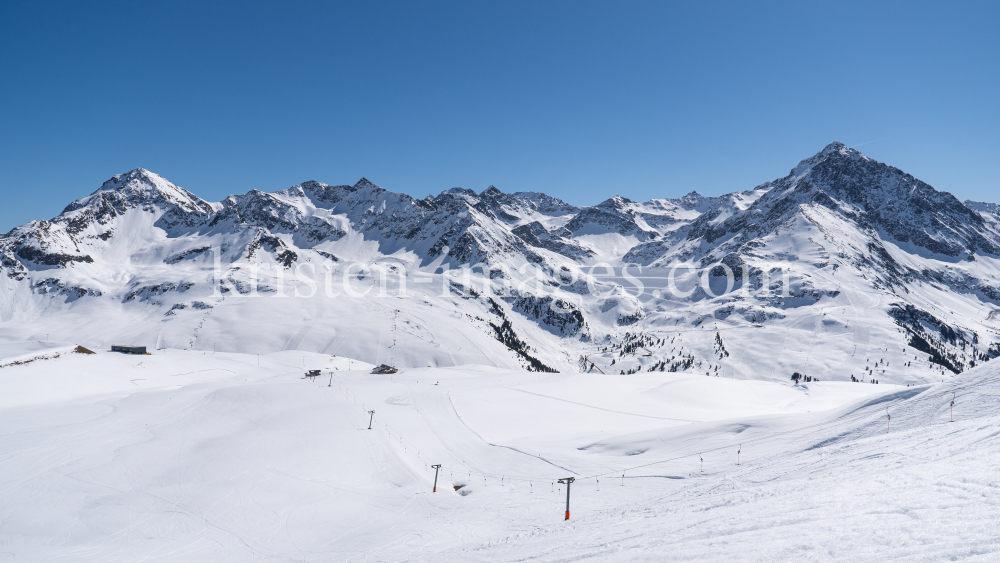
(842, 228)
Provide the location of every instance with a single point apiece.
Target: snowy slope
(194, 456)
(854, 485)
(850, 268)
(517, 373)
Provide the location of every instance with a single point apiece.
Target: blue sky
(580, 100)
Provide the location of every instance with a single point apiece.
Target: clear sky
(580, 100)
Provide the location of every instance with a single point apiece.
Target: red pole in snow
(567, 480)
(436, 469)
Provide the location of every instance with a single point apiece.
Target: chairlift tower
(437, 468)
(567, 481)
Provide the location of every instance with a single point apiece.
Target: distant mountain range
(891, 280)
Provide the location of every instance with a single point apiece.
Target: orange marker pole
(568, 481)
(436, 469)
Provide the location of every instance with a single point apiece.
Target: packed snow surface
(193, 456)
(673, 408)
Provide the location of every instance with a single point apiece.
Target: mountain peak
(835, 149)
(615, 202)
(459, 191)
(693, 200)
(364, 183)
(122, 181)
(311, 184)
(140, 187)
(142, 183)
(491, 191)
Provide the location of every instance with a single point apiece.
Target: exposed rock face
(875, 197)
(843, 223)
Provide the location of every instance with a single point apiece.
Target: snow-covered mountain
(854, 269)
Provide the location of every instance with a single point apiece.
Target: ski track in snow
(208, 457)
(192, 455)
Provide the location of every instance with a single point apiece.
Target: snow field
(848, 490)
(211, 457)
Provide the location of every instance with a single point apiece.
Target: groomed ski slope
(194, 456)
